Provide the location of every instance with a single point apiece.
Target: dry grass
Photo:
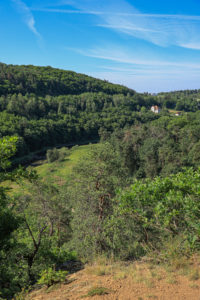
(132, 280)
(120, 275)
(171, 280)
(147, 273)
(194, 286)
(194, 275)
(98, 270)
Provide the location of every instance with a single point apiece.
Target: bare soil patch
(127, 281)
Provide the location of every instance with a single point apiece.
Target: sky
(149, 46)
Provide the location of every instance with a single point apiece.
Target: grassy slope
(62, 169)
(57, 172)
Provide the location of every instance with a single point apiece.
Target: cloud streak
(160, 29)
(69, 11)
(193, 45)
(115, 54)
(27, 15)
(149, 72)
(95, 12)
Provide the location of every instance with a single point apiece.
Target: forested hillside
(46, 107)
(50, 81)
(134, 194)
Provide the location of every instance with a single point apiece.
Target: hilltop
(47, 107)
(52, 81)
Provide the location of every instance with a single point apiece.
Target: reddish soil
(128, 282)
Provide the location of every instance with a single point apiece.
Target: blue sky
(146, 45)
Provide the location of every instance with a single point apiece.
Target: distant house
(178, 113)
(156, 109)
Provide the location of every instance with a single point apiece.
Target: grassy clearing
(56, 172)
(60, 170)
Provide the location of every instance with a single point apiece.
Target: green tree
(96, 178)
(44, 228)
(8, 220)
(149, 213)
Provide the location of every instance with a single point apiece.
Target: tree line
(50, 81)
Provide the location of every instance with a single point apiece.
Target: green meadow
(57, 172)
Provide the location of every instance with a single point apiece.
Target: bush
(151, 213)
(52, 155)
(61, 254)
(23, 295)
(63, 153)
(55, 154)
(98, 290)
(50, 277)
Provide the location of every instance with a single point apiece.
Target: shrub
(52, 155)
(57, 154)
(99, 290)
(50, 277)
(23, 295)
(63, 153)
(151, 213)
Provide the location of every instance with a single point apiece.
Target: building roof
(155, 107)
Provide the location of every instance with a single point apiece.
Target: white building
(156, 109)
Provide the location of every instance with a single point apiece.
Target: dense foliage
(8, 220)
(151, 213)
(130, 195)
(160, 147)
(51, 121)
(46, 107)
(97, 211)
(50, 81)
(187, 100)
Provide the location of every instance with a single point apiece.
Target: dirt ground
(136, 281)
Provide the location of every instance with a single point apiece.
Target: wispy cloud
(129, 27)
(115, 54)
(95, 12)
(69, 11)
(192, 45)
(160, 29)
(121, 66)
(27, 15)
(150, 71)
(167, 16)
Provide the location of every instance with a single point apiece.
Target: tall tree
(96, 179)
